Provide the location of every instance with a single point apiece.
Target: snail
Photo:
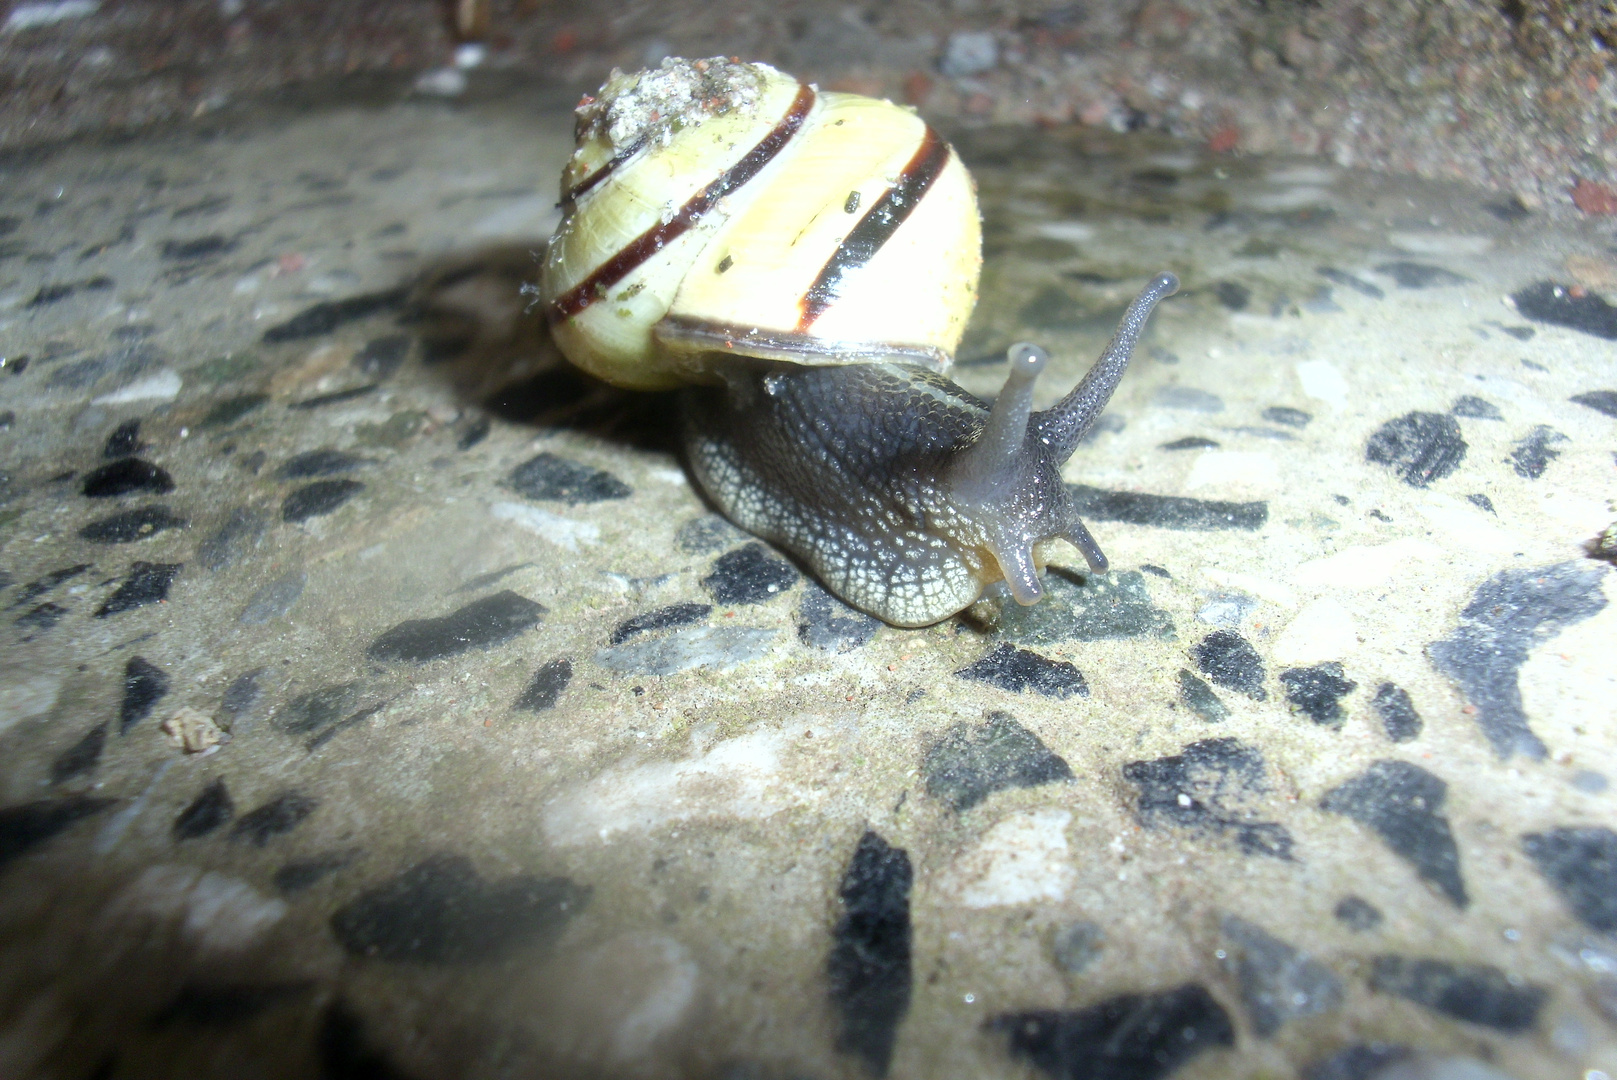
(802, 263)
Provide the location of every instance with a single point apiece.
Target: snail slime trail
(713, 239)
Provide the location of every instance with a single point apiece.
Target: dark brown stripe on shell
(654, 239)
(878, 225)
(603, 172)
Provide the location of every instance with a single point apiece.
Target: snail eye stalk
(1062, 426)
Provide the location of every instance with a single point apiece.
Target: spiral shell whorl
(716, 209)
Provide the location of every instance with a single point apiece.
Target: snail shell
(717, 207)
(803, 265)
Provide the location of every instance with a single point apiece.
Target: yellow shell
(714, 207)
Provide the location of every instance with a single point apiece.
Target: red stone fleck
(1224, 139)
(1593, 198)
(917, 87)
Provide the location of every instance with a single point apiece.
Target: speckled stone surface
(379, 699)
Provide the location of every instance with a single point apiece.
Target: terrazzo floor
(379, 698)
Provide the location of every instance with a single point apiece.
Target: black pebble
(325, 317)
(240, 696)
(1155, 570)
(124, 440)
(347, 1053)
(546, 476)
(1233, 295)
(43, 617)
(1414, 275)
(748, 575)
(40, 586)
(146, 583)
(317, 709)
(1199, 698)
(1013, 669)
(1477, 993)
(144, 685)
(1581, 862)
(320, 497)
(441, 911)
(705, 535)
(1230, 661)
(1398, 716)
(1533, 454)
(1547, 302)
(224, 1005)
(55, 291)
(81, 757)
(1357, 914)
(210, 809)
(336, 397)
(301, 874)
(869, 964)
(1215, 785)
(240, 531)
(125, 476)
(1419, 446)
(1358, 284)
(1093, 607)
(971, 763)
(1166, 511)
(31, 824)
(1278, 982)
(202, 247)
(1361, 1061)
(325, 462)
(1317, 692)
(127, 526)
(1510, 614)
(1601, 401)
(280, 815)
(478, 625)
(825, 622)
(382, 356)
(1189, 442)
(681, 614)
(1283, 414)
(228, 411)
(473, 433)
(1482, 502)
(1511, 209)
(1474, 408)
(1402, 802)
(546, 686)
(1128, 1037)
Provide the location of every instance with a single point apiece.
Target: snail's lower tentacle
(1020, 571)
(1079, 536)
(1062, 426)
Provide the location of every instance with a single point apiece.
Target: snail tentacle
(1079, 536)
(1062, 426)
(1021, 572)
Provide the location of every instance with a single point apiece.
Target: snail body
(804, 264)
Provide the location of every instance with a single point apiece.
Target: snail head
(1005, 488)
